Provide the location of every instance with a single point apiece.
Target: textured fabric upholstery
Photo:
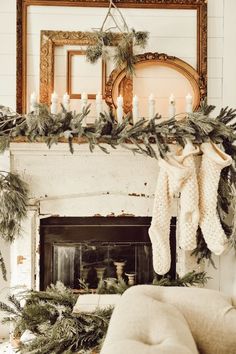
(151, 319)
(141, 324)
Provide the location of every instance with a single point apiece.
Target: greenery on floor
(49, 316)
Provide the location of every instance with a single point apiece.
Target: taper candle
(66, 101)
(151, 106)
(33, 102)
(135, 109)
(171, 107)
(189, 103)
(119, 111)
(54, 102)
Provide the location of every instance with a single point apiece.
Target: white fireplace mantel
(79, 184)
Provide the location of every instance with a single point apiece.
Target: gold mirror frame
(22, 9)
(118, 81)
(50, 40)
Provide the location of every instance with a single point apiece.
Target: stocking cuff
(214, 153)
(177, 173)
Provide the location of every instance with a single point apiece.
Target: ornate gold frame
(70, 54)
(22, 7)
(49, 40)
(117, 80)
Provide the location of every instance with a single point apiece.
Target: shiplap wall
(221, 91)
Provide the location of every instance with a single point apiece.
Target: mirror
(159, 74)
(176, 27)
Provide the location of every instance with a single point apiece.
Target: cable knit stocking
(213, 161)
(170, 179)
(188, 217)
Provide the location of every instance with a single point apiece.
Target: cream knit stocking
(170, 179)
(213, 161)
(188, 216)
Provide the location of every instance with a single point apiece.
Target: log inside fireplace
(91, 248)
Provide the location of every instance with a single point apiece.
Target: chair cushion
(140, 324)
(210, 314)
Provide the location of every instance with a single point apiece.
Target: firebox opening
(94, 248)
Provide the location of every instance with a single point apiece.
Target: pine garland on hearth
(147, 137)
(49, 316)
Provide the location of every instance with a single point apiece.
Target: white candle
(98, 104)
(66, 101)
(171, 107)
(151, 106)
(135, 109)
(84, 102)
(189, 103)
(119, 111)
(54, 102)
(33, 102)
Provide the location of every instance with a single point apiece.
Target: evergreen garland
(13, 209)
(49, 316)
(148, 137)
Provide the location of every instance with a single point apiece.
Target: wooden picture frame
(22, 11)
(70, 54)
(49, 41)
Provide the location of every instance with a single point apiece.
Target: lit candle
(189, 103)
(151, 106)
(84, 102)
(135, 109)
(66, 101)
(119, 111)
(171, 107)
(98, 104)
(33, 102)
(54, 102)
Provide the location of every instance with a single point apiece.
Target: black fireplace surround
(90, 248)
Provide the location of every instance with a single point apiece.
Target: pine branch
(3, 267)
(190, 279)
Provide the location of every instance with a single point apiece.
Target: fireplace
(94, 248)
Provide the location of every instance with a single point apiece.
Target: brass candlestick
(119, 268)
(131, 278)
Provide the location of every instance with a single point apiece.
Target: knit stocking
(171, 177)
(188, 216)
(213, 161)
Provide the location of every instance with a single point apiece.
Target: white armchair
(160, 320)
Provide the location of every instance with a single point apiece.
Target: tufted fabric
(213, 161)
(152, 320)
(143, 325)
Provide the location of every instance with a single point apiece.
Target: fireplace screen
(91, 249)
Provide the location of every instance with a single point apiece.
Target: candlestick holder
(119, 268)
(100, 272)
(84, 273)
(131, 278)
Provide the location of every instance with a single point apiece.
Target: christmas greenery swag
(147, 137)
(53, 326)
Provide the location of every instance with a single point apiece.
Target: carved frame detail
(22, 9)
(49, 40)
(118, 79)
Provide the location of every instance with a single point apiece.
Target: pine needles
(13, 206)
(49, 316)
(118, 46)
(147, 137)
